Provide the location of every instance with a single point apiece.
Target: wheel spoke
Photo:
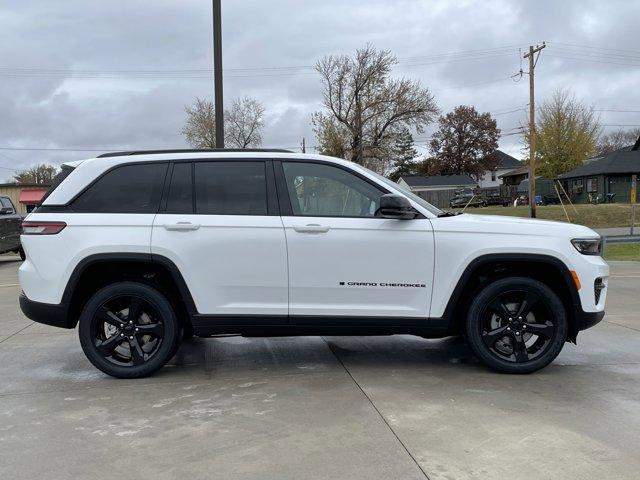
(520, 349)
(500, 308)
(527, 305)
(491, 337)
(109, 317)
(135, 309)
(109, 345)
(155, 329)
(540, 329)
(137, 355)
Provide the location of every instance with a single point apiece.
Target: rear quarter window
(125, 189)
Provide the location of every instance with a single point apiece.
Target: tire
(124, 347)
(516, 325)
(23, 256)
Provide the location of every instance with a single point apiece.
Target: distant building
(514, 177)
(608, 175)
(418, 183)
(507, 163)
(25, 196)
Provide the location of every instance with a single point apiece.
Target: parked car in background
(467, 198)
(10, 227)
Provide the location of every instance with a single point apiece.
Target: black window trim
(285, 199)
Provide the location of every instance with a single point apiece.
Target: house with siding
(493, 178)
(611, 174)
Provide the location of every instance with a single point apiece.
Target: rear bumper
(52, 314)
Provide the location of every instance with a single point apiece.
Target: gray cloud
(58, 111)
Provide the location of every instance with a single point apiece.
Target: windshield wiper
(448, 214)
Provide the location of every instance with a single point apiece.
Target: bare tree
(200, 129)
(566, 134)
(367, 107)
(465, 142)
(244, 122)
(41, 174)
(616, 140)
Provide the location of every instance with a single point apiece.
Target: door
(344, 261)
(220, 227)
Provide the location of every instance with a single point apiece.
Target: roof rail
(193, 150)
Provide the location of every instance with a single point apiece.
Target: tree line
(370, 117)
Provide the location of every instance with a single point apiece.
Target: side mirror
(6, 211)
(396, 206)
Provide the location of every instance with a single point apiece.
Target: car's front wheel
(516, 325)
(128, 330)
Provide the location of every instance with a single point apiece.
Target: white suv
(141, 248)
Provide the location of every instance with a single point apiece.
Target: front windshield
(420, 201)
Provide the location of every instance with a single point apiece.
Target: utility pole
(304, 146)
(532, 127)
(217, 72)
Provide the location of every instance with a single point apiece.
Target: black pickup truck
(10, 227)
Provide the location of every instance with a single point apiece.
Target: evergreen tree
(404, 154)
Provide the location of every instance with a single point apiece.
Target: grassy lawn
(628, 251)
(594, 216)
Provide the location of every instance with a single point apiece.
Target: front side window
(326, 191)
(230, 188)
(127, 189)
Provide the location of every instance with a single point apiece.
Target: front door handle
(311, 228)
(181, 226)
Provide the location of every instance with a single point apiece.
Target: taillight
(42, 228)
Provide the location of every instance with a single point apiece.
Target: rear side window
(230, 188)
(6, 203)
(127, 189)
(180, 198)
(65, 170)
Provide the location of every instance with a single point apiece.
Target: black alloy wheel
(516, 325)
(128, 330)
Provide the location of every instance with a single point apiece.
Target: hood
(499, 224)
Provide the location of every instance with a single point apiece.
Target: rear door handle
(182, 226)
(311, 228)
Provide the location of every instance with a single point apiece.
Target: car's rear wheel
(128, 330)
(516, 325)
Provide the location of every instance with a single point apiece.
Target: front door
(347, 265)
(221, 228)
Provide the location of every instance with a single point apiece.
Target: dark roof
(25, 185)
(438, 180)
(506, 160)
(621, 161)
(523, 170)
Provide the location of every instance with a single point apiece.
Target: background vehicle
(136, 247)
(10, 227)
(467, 198)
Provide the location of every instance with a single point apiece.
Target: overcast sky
(94, 74)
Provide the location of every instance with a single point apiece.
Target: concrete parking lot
(396, 407)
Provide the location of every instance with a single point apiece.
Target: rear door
(220, 226)
(347, 265)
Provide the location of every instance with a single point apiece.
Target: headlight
(588, 246)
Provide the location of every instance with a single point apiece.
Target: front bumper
(52, 314)
(586, 320)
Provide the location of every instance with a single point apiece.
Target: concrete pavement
(337, 407)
